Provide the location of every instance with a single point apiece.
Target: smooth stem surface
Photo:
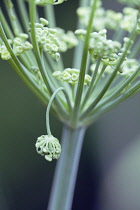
(89, 91)
(78, 49)
(83, 66)
(48, 110)
(66, 169)
(49, 106)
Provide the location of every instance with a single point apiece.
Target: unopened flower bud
(49, 147)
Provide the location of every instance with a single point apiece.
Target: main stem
(66, 169)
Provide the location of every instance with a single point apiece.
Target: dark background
(109, 171)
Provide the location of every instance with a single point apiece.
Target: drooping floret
(49, 147)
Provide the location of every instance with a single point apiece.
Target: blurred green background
(109, 171)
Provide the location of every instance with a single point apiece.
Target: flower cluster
(46, 38)
(129, 67)
(54, 40)
(71, 76)
(109, 19)
(66, 40)
(19, 45)
(112, 19)
(83, 14)
(129, 19)
(49, 147)
(112, 58)
(100, 46)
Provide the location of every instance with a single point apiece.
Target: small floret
(48, 146)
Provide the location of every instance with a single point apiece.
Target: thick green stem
(66, 169)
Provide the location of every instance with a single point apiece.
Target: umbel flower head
(71, 76)
(109, 19)
(49, 147)
(19, 45)
(34, 49)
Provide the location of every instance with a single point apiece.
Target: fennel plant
(104, 73)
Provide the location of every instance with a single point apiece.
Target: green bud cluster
(19, 46)
(67, 40)
(83, 14)
(112, 19)
(129, 67)
(129, 19)
(71, 76)
(48, 146)
(109, 19)
(100, 46)
(113, 58)
(103, 18)
(47, 39)
(45, 2)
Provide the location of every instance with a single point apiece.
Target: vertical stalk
(90, 89)
(66, 169)
(78, 49)
(79, 91)
(50, 15)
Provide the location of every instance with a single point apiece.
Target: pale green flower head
(48, 146)
(128, 67)
(108, 19)
(99, 45)
(67, 40)
(19, 45)
(99, 21)
(112, 19)
(71, 75)
(129, 19)
(47, 39)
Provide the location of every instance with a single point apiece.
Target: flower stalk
(66, 170)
